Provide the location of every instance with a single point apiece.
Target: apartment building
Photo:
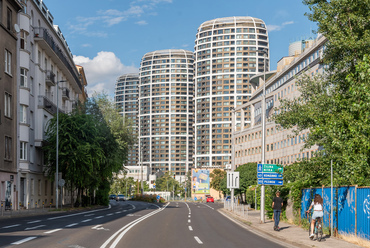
(228, 53)
(8, 102)
(282, 146)
(166, 111)
(126, 100)
(49, 82)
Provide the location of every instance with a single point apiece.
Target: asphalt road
(132, 224)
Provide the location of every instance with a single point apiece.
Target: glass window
(7, 105)
(23, 77)
(8, 147)
(23, 114)
(8, 62)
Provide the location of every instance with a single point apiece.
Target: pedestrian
(277, 204)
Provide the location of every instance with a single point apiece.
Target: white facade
(228, 52)
(45, 63)
(282, 146)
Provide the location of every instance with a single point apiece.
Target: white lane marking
(70, 225)
(109, 214)
(189, 221)
(208, 206)
(189, 216)
(35, 221)
(31, 228)
(55, 230)
(98, 217)
(128, 227)
(190, 228)
(65, 216)
(198, 240)
(118, 212)
(86, 220)
(11, 226)
(23, 241)
(96, 227)
(133, 206)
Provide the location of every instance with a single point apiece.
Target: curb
(252, 225)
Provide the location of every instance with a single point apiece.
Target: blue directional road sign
(259, 168)
(158, 197)
(270, 182)
(269, 175)
(195, 198)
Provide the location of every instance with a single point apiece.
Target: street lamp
(141, 155)
(263, 133)
(57, 148)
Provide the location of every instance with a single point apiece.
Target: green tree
(248, 177)
(217, 177)
(334, 106)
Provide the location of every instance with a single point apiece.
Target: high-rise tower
(228, 52)
(166, 111)
(126, 100)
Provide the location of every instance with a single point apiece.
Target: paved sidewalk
(289, 233)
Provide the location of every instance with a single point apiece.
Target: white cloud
(86, 45)
(102, 71)
(141, 23)
(272, 28)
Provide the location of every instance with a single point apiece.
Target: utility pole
(233, 121)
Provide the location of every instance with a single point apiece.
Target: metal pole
(57, 151)
(232, 154)
(332, 196)
(263, 135)
(142, 182)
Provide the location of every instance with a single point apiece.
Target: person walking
(277, 204)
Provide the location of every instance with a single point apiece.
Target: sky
(109, 37)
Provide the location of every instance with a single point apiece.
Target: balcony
(50, 78)
(46, 41)
(65, 93)
(46, 104)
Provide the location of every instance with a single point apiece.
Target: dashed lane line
(52, 231)
(198, 240)
(34, 227)
(23, 241)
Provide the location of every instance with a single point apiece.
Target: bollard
(50, 205)
(35, 205)
(28, 206)
(43, 204)
(11, 208)
(19, 209)
(2, 213)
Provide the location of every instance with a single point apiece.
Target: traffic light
(174, 176)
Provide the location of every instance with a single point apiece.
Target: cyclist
(317, 205)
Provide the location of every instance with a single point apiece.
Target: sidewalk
(289, 233)
(28, 212)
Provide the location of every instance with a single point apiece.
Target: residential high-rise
(166, 111)
(126, 100)
(228, 52)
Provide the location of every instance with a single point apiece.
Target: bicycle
(317, 229)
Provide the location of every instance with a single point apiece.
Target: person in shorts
(317, 205)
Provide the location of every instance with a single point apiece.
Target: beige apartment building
(282, 146)
(228, 53)
(8, 99)
(166, 113)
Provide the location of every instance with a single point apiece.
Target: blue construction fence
(351, 208)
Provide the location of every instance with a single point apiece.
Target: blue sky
(110, 37)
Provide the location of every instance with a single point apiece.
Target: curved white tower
(228, 52)
(166, 111)
(126, 100)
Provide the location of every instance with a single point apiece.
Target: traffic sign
(233, 180)
(259, 168)
(158, 197)
(154, 186)
(195, 198)
(270, 182)
(269, 175)
(272, 168)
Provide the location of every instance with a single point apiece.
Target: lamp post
(263, 133)
(57, 149)
(142, 183)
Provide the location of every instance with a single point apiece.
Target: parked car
(120, 198)
(112, 197)
(210, 199)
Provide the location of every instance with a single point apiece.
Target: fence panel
(305, 202)
(346, 206)
(363, 212)
(327, 210)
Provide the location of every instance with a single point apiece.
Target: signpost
(270, 174)
(233, 180)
